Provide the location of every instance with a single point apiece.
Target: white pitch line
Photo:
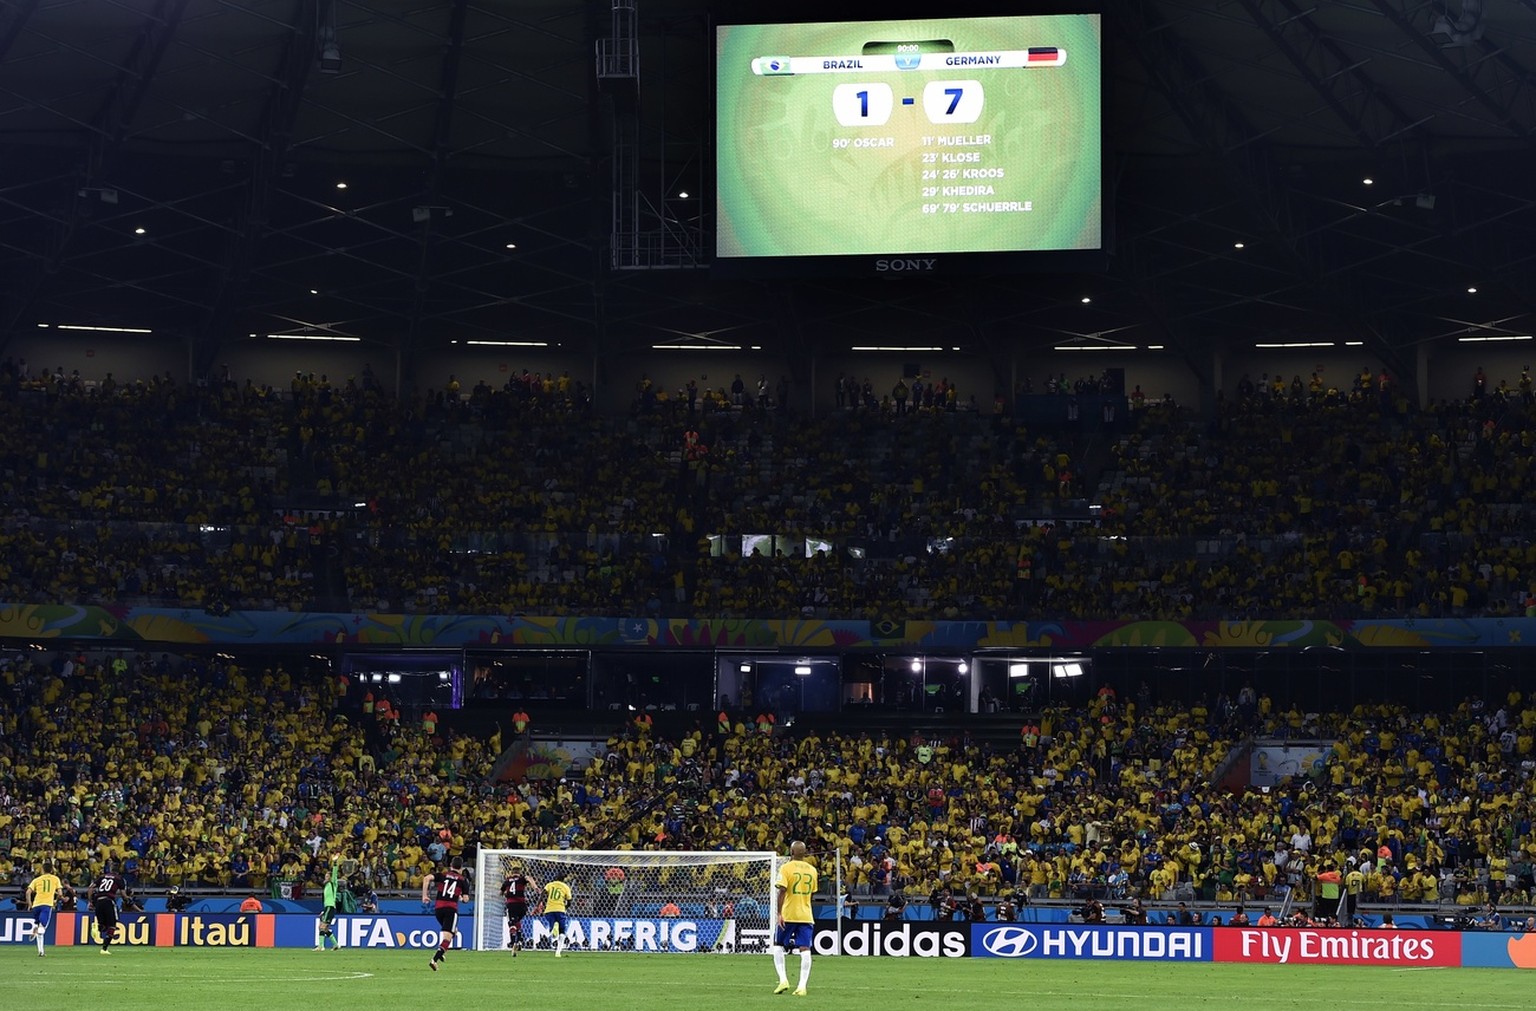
(43, 974)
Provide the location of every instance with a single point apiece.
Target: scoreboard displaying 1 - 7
(953, 135)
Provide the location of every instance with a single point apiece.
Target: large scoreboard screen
(885, 142)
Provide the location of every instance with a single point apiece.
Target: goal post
(681, 901)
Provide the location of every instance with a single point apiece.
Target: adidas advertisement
(898, 939)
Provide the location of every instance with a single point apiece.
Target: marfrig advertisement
(652, 935)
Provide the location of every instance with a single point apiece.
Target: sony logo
(912, 265)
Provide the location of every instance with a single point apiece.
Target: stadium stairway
(1233, 774)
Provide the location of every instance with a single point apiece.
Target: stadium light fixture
(1095, 347)
(892, 347)
(510, 344)
(101, 329)
(139, 230)
(394, 678)
(917, 665)
(1296, 344)
(964, 667)
(695, 347)
(1018, 670)
(312, 337)
(745, 668)
(802, 670)
(1154, 347)
(1471, 289)
(1494, 337)
(1354, 344)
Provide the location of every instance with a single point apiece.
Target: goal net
(633, 900)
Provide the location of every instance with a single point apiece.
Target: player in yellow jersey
(42, 893)
(796, 885)
(557, 897)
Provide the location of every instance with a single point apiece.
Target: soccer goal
(633, 900)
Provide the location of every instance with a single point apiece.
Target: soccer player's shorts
(555, 921)
(106, 918)
(328, 915)
(516, 911)
(795, 936)
(43, 915)
(447, 918)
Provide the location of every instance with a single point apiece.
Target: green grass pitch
(226, 979)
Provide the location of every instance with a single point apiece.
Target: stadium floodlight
(802, 670)
(917, 665)
(508, 344)
(724, 899)
(1067, 670)
(1018, 670)
(102, 329)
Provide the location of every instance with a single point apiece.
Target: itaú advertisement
(1108, 943)
(149, 930)
(1305, 946)
(405, 930)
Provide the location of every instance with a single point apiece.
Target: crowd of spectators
(520, 500)
(154, 762)
(197, 772)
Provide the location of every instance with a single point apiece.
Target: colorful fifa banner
(1498, 950)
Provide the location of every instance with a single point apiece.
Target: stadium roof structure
(180, 164)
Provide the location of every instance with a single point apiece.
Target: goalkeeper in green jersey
(328, 908)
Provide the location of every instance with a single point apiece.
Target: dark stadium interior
(258, 591)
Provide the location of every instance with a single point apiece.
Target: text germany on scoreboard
(934, 136)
